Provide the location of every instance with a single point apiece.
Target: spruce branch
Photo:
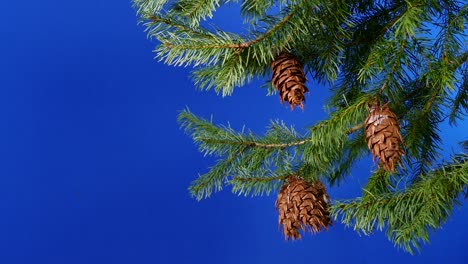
(367, 51)
(408, 214)
(255, 9)
(264, 182)
(196, 10)
(212, 181)
(460, 60)
(253, 179)
(243, 43)
(248, 153)
(145, 6)
(156, 20)
(258, 144)
(460, 102)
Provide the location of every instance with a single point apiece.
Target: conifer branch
(258, 183)
(242, 45)
(408, 214)
(258, 144)
(253, 179)
(212, 181)
(271, 31)
(375, 51)
(460, 102)
(145, 6)
(460, 60)
(178, 25)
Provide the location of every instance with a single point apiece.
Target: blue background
(94, 168)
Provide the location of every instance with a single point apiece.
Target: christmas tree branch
(354, 149)
(460, 102)
(408, 214)
(179, 25)
(272, 30)
(258, 144)
(253, 179)
(264, 182)
(381, 51)
(196, 10)
(249, 153)
(256, 9)
(212, 181)
(145, 6)
(271, 146)
(243, 44)
(363, 46)
(460, 60)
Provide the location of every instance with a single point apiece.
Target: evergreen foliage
(410, 54)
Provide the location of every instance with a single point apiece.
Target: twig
(253, 179)
(276, 145)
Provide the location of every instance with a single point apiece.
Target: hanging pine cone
(383, 136)
(302, 205)
(289, 78)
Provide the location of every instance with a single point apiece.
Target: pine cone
(383, 136)
(289, 78)
(302, 205)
